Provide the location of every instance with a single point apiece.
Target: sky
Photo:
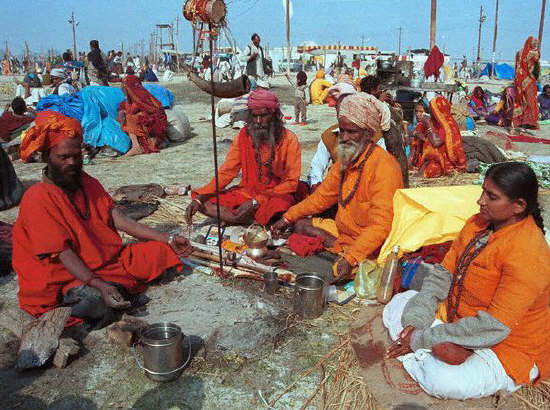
(44, 24)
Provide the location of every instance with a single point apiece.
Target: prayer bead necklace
(344, 202)
(267, 164)
(474, 248)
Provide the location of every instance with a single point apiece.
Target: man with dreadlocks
(362, 182)
(269, 159)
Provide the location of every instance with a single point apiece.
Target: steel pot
(309, 295)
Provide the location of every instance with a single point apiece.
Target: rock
(14, 319)
(40, 338)
(67, 348)
(125, 331)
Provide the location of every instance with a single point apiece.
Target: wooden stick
(311, 369)
(321, 383)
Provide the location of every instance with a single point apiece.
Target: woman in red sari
(526, 109)
(142, 117)
(436, 146)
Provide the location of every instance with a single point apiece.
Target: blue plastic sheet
(162, 94)
(68, 105)
(99, 121)
(502, 71)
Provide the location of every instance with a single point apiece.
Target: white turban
(58, 72)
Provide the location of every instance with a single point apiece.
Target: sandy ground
(227, 373)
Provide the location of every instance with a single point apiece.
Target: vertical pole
(288, 37)
(432, 23)
(479, 33)
(495, 40)
(215, 146)
(541, 25)
(74, 35)
(399, 48)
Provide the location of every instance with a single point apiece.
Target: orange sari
(439, 161)
(526, 108)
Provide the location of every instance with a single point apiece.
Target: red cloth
(145, 116)
(528, 138)
(434, 63)
(50, 129)
(262, 98)
(9, 122)
(304, 245)
(48, 224)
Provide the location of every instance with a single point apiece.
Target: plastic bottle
(385, 289)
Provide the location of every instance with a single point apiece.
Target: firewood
(67, 348)
(14, 319)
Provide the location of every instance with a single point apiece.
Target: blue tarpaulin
(502, 71)
(96, 107)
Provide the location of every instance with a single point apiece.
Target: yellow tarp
(426, 216)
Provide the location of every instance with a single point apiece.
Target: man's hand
(451, 353)
(279, 227)
(111, 296)
(344, 272)
(245, 209)
(181, 246)
(192, 209)
(402, 345)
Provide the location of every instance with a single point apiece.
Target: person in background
(319, 88)
(489, 298)
(11, 121)
(60, 83)
(526, 108)
(300, 105)
(97, 66)
(544, 102)
(254, 54)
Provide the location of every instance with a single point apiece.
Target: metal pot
(162, 345)
(256, 253)
(309, 300)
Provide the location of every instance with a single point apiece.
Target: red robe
(48, 224)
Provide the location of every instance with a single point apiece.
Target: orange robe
(365, 222)
(510, 280)
(48, 224)
(275, 194)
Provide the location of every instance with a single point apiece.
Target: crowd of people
(477, 324)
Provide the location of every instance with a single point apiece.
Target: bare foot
(133, 151)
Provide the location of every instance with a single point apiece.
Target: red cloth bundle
(304, 245)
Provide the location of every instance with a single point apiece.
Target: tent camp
(502, 71)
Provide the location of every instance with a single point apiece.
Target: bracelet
(171, 239)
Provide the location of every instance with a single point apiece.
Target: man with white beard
(362, 182)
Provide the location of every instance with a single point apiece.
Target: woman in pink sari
(526, 109)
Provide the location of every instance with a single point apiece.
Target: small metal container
(271, 282)
(309, 300)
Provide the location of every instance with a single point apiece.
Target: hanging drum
(205, 11)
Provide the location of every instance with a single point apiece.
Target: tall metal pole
(432, 23)
(215, 146)
(288, 37)
(481, 20)
(399, 48)
(541, 25)
(495, 40)
(73, 22)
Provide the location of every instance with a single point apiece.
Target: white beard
(348, 152)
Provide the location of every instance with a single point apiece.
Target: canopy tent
(502, 71)
(334, 49)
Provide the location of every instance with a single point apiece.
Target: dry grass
(455, 178)
(535, 397)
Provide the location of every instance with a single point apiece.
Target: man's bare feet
(133, 151)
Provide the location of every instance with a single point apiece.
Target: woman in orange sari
(436, 146)
(526, 109)
(142, 117)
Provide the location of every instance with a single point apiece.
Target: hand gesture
(181, 246)
(402, 345)
(112, 297)
(279, 227)
(191, 210)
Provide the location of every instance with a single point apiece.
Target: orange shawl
(526, 108)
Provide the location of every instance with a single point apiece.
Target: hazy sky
(44, 23)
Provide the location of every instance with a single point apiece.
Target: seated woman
(504, 110)
(436, 144)
(142, 117)
(479, 106)
(544, 103)
(319, 88)
(489, 298)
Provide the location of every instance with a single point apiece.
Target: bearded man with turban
(66, 248)
(362, 183)
(269, 159)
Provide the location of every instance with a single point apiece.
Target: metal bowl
(256, 253)
(256, 236)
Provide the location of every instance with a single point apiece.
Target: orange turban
(364, 110)
(261, 98)
(49, 130)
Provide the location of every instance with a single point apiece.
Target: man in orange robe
(269, 158)
(65, 238)
(362, 182)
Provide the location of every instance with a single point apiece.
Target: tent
(502, 71)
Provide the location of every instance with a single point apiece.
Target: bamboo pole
(432, 23)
